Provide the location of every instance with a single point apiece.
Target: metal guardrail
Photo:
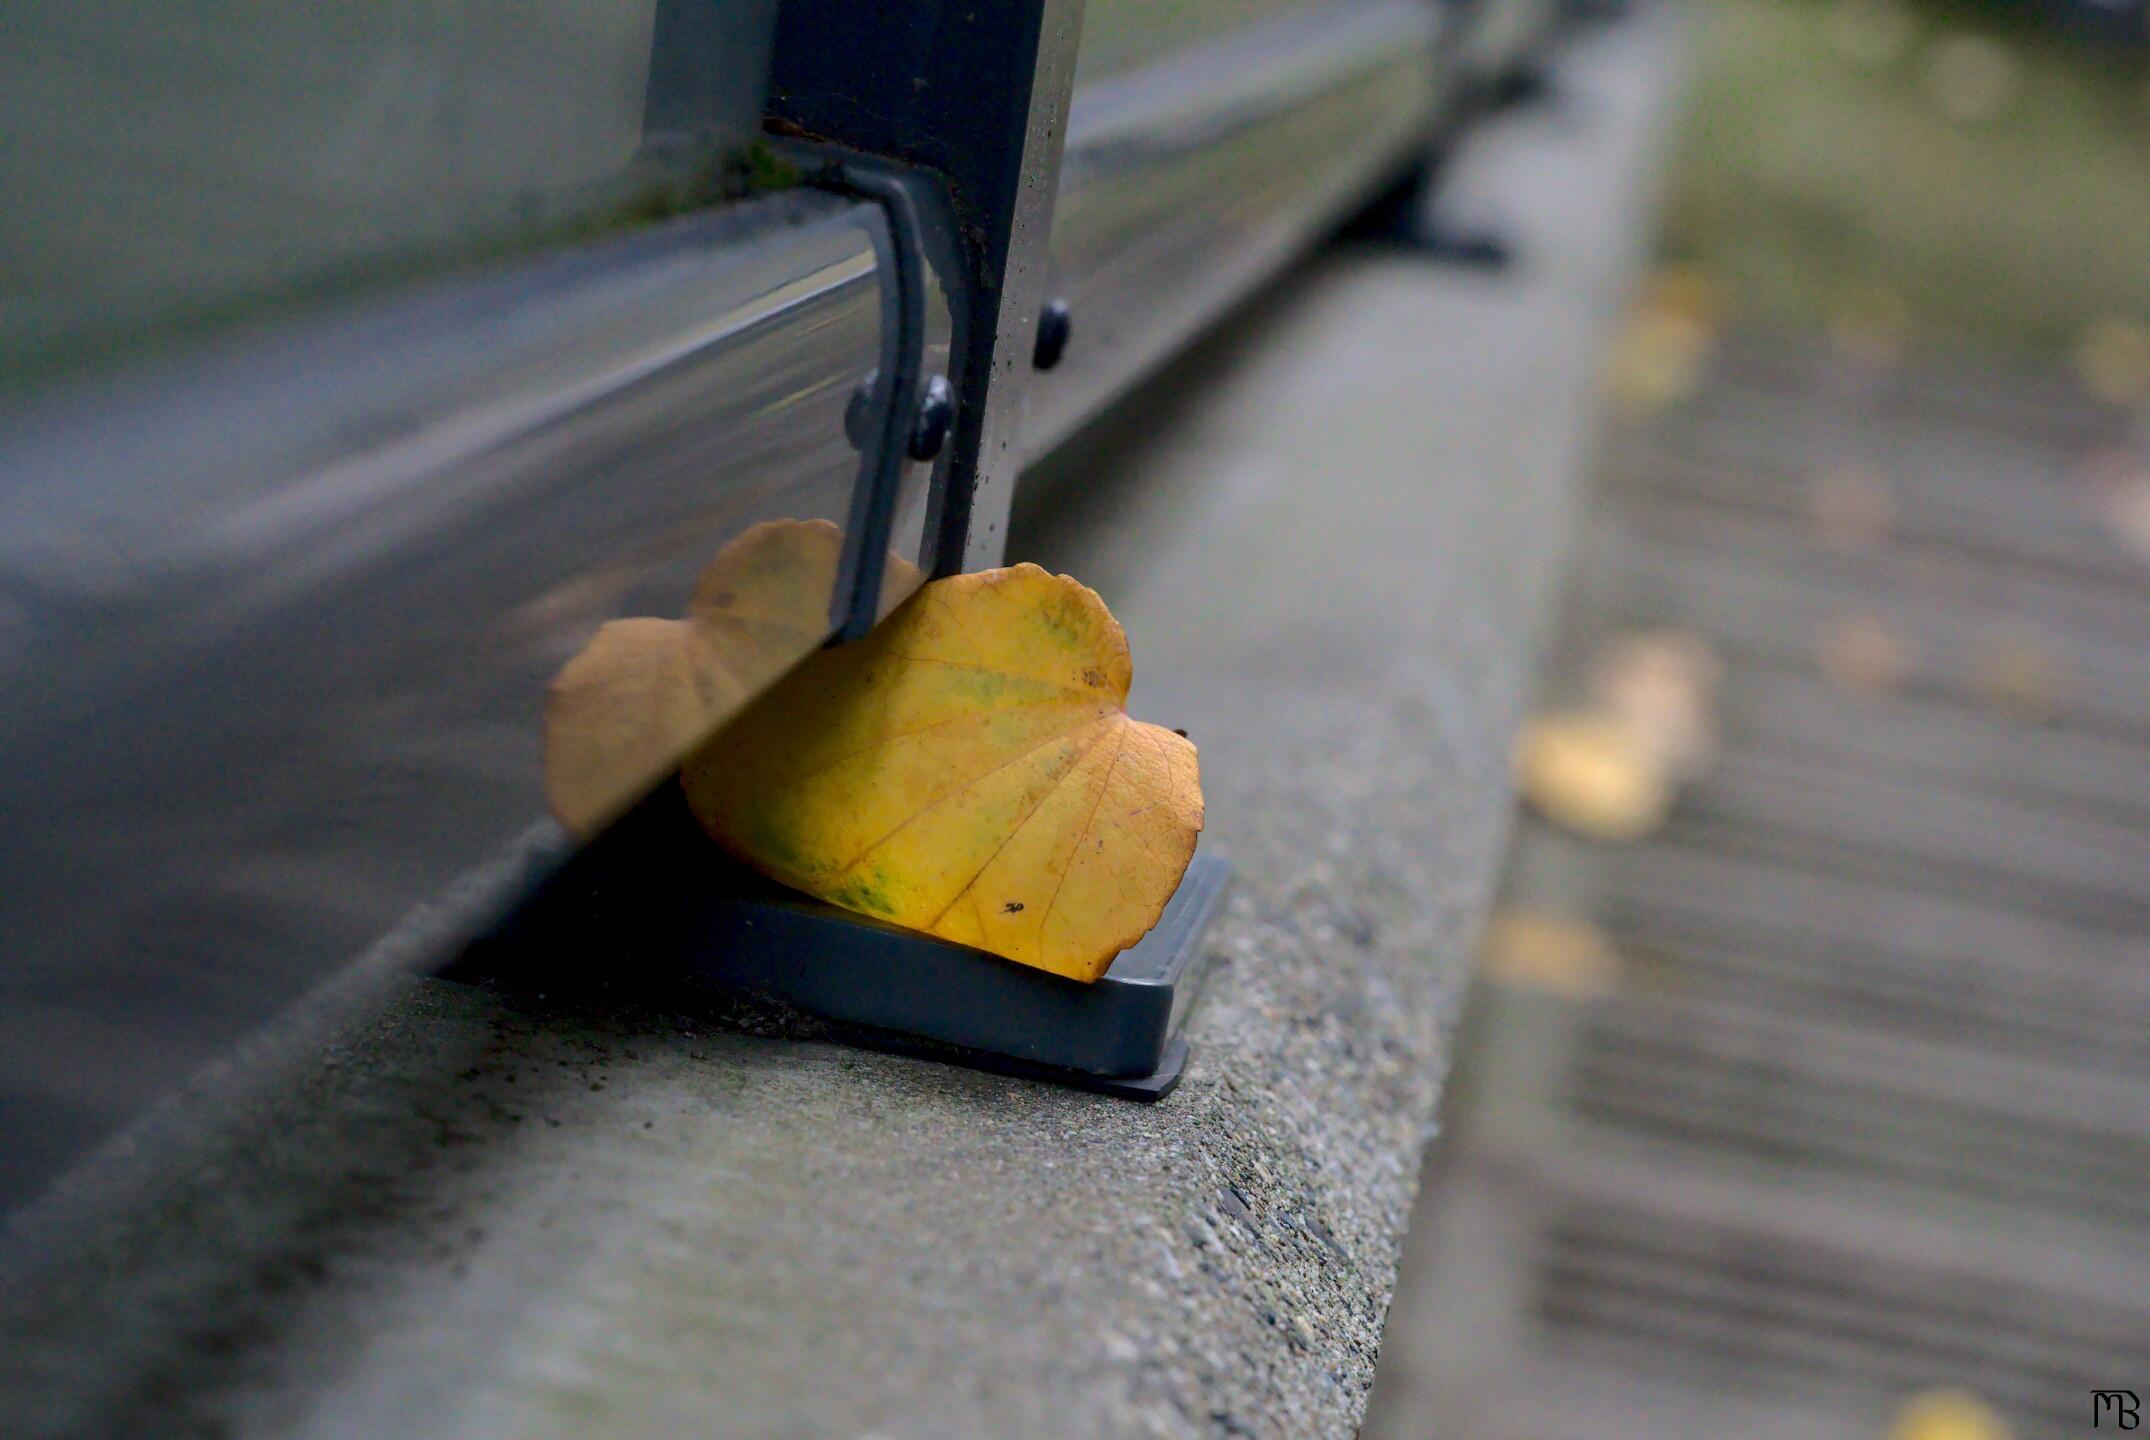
(279, 624)
(1189, 181)
(276, 617)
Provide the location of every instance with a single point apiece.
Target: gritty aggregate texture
(455, 1210)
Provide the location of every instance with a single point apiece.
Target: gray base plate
(655, 886)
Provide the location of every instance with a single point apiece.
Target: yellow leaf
(764, 600)
(1537, 950)
(1662, 685)
(1660, 355)
(1589, 773)
(1948, 1415)
(969, 769)
(621, 715)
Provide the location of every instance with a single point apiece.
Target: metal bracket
(900, 414)
(972, 98)
(883, 418)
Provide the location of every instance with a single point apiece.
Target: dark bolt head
(1055, 327)
(936, 409)
(929, 427)
(858, 415)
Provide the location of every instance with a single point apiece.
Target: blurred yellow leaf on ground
(1660, 355)
(1662, 685)
(1948, 1415)
(1538, 950)
(1591, 773)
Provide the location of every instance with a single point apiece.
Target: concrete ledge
(1333, 537)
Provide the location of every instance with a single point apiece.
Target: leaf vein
(954, 791)
(1080, 835)
(971, 885)
(1000, 670)
(883, 740)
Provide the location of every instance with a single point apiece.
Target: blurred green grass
(1818, 158)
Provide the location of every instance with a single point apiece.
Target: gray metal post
(976, 98)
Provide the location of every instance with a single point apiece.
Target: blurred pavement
(1834, 1091)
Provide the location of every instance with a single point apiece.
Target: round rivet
(936, 408)
(858, 414)
(1055, 327)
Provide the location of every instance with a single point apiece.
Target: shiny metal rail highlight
(275, 626)
(1190, 180)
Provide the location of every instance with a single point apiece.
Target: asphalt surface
(433, 1209)
(1856, 1105)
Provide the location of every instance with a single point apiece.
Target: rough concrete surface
(444, 1211)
